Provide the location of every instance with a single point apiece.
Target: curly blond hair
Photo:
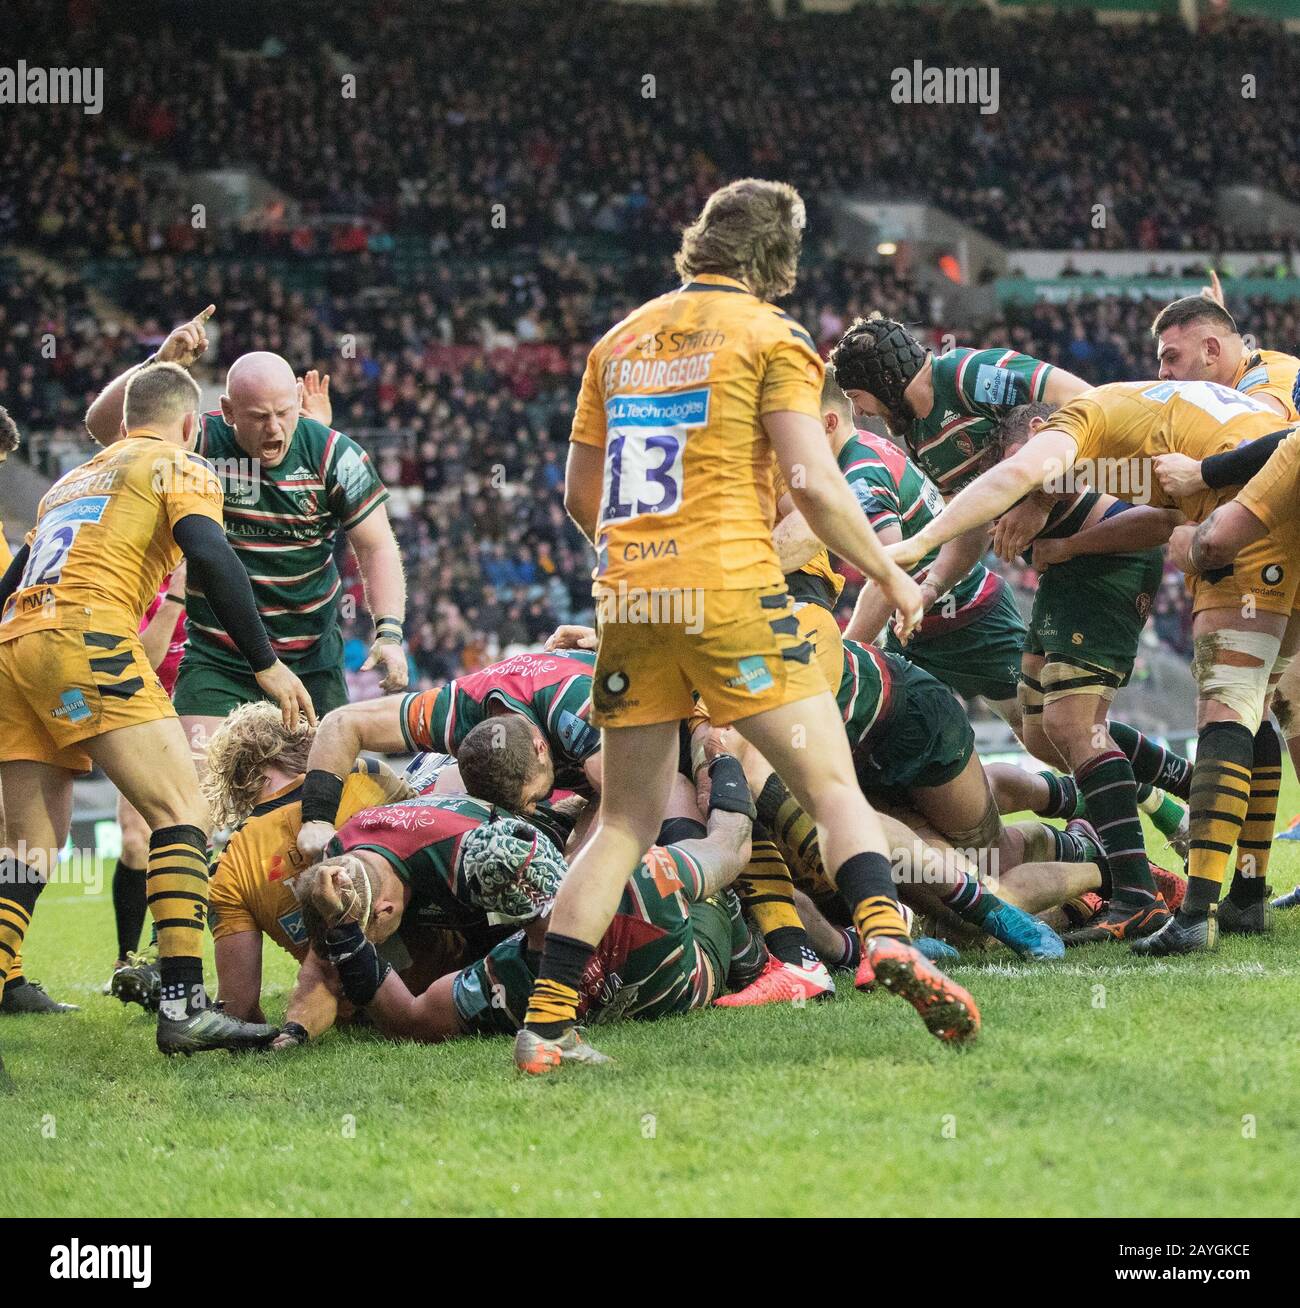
(750, 230)
(242, 749)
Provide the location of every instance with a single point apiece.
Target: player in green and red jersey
(972, 633)
(291, 484)
(945, 407)
(545, 740)
(676, 934)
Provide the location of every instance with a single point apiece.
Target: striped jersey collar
(716, 282)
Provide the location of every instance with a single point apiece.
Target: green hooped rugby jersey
(282, 522)
(973, 389)
(420, 839)
(551, 689)
(649, 963)
(866, 692)
(894, 492)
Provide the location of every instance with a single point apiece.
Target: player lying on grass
(253, 783)
(76, 687)
(945, 883)
(912, 744)
(1111, 435)
(549, 690)
(433, 863)
(676, 937)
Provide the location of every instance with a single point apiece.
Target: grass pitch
(1101, 1086)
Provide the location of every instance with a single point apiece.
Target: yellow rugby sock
(767, 892)
(19, 889)
(177, 885)
(1219, 797)
(1255, 845)
(795, 835)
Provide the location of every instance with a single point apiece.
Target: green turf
(1101, 1086)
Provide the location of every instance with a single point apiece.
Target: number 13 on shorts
(644, 451)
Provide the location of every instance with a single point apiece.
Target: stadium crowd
(1074, 127)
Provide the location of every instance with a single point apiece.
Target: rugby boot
(948, 1011)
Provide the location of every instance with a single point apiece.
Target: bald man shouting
(291, 483)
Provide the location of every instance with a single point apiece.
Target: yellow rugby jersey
(250, 890)
(6, 554)
(1271, 373)
(819, 566)
(1273, 493)
(1133, 421)
(674, 395)
(102, 542)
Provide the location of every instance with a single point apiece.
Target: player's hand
(1019, 525)
(1047, 552)
(905, 598)
(1214, 291)
(908, 553)
(185, 344)
(572, 636)
(388, 658)
(282, 686)
(311, 841)
(1180, 547)
(314, 396)
(1178, 475)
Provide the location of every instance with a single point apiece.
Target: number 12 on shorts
(644, 450)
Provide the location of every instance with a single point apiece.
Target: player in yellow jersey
(20, 994)
(76, 686)
(256, 767)
(1111, 436)
(669, 476)
(1197, 339)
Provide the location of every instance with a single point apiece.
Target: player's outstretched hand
(279, 684)
(1214, 291)
(571, 636)
(311, 840)
(906, 600)
(185, 344)
(1019, 525)
(389, 659)
(314, 393)
(1178, 475)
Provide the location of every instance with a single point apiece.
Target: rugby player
(944, 409)
(1239, 620)
(291, 484)
(972, 633)
(1197, 340)
(676, 936)
(1089, 611)
(669, 476)
(76, 687)
(135, 976)
(430, 862)
(21, 995)
(253, 784)
(550, 743)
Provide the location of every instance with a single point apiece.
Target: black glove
(728, 789)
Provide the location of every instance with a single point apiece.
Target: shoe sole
(949, 1016)
(1127, 934)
